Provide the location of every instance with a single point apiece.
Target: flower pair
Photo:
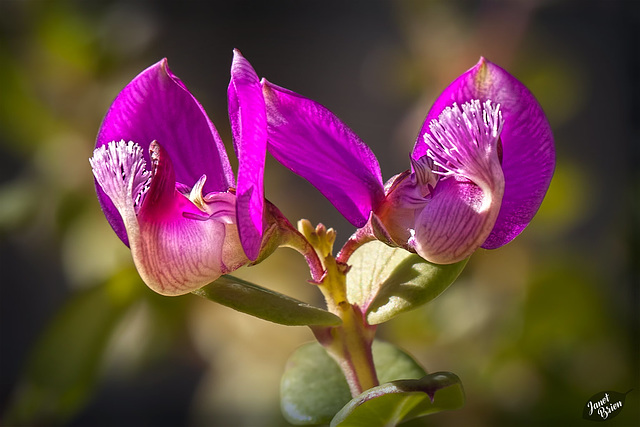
(166, 186)
(480, 168)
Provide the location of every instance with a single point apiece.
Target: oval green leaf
(398, 401)
(265, 304)
(386, 281)
(313, 388)
(392, 363)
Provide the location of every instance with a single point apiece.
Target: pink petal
(456, 221)
(174, 253)
(312, 142)
(249, 127)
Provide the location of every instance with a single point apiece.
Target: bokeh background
(533, 329)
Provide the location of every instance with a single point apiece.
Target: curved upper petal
(311, 141)
(249, 128)
(156, 105)
(528, 154)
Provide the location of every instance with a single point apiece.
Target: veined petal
(456, 221)
(249, 128)
(156, 105)
(178, 249)
(528, 154)
(312, 142)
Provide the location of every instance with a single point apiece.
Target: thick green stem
(351, 348)
(350, 343)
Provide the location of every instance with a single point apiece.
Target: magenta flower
(480, 167)
(166, 186)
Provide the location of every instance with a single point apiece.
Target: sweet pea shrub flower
(165, 184)
(480, 167)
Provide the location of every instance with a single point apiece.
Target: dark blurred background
(533, 329)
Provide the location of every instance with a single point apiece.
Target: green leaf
(386, 281)
(398, 401)
(392, 363)
(313, 388)
(63, 367)
(265, 304)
